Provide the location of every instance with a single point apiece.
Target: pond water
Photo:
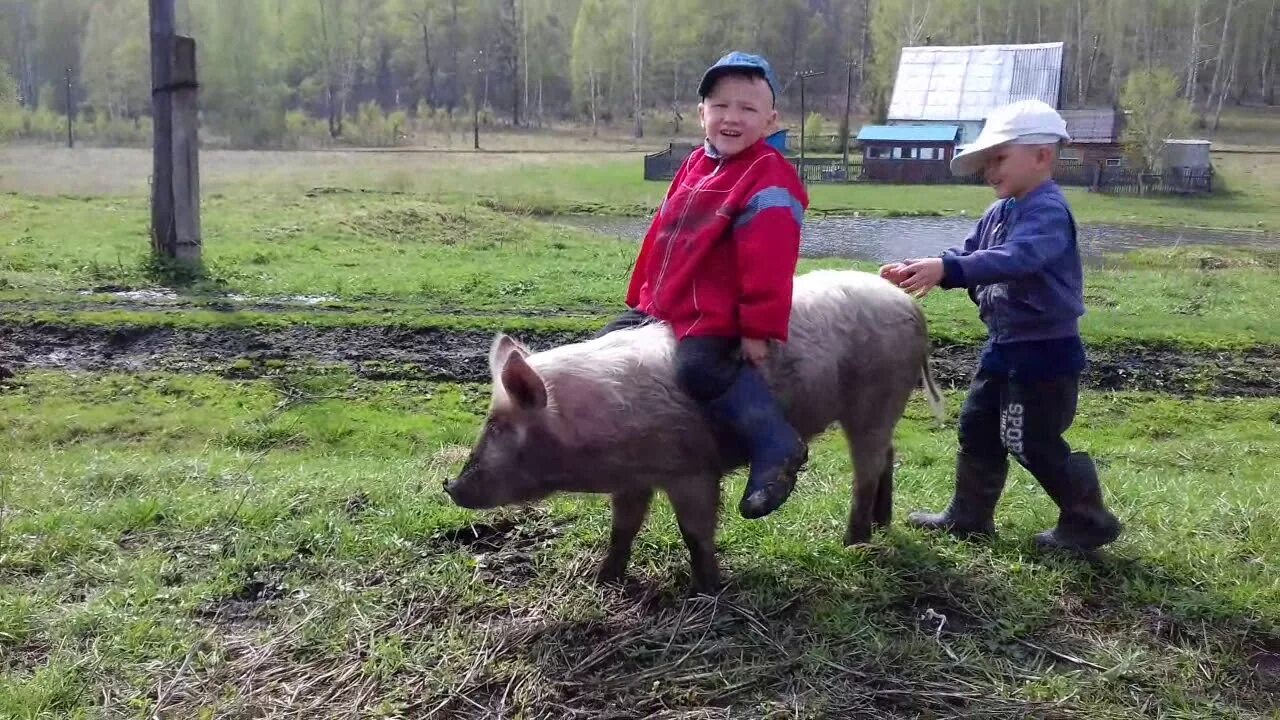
(887, 239)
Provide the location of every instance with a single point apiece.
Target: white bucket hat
(1026, 122)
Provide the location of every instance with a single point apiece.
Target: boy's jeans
(1023, 419)
(736, 397)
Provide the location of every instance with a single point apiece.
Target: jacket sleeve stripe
(768, 198)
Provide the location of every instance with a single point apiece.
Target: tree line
(272, 68)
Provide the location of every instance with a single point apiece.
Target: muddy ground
(377, 352)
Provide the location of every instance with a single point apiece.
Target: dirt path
(377, 352)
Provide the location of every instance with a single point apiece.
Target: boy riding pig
(717, 265)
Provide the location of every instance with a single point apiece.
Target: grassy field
(201, 547)
(1252, 127)
(593, 181)
(224, 544)
(387, 257)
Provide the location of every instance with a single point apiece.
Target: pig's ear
(502, 347)
(523, 384)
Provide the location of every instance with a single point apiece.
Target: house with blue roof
(908, 153)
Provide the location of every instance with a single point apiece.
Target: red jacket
(721, 253)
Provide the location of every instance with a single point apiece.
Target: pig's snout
(454, 490)
(465, 495)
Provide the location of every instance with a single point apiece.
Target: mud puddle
(375, 352)
(391, 353)
(503, 551)
(154, 299)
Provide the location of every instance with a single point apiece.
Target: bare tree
(637, 69)
(864, 50)
(1231, 77)
(1093, 64)
(1079, 52)
(455, 42)
(422, 16)
(330, 73)
(507, 54)
(917, 23)
(591, 80)
(1219, 65)
(27, 83)
(524, 52)
(1269, 55)
(1193, 68)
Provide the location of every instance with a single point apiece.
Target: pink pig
(606, 415)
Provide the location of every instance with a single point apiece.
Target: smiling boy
(1021, 265)
(717, 265)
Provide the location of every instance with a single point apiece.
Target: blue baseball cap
(738, 61)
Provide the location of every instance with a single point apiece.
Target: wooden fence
(662, 165)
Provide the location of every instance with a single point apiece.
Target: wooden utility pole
(175, 180)
(475, 100)
(70, 140)
(848, 106)
(803, 75)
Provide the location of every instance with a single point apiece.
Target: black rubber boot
(1084, 522)
(972, 510)
(775, 451)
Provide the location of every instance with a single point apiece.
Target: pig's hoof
(610, 576)
(708, 588)
(857, 537)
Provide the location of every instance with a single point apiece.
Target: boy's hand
(893, 272)
(921, 276)
(755, 351)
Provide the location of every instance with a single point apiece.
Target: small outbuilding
(908, 153)
(1096, 138)
(1187, 165)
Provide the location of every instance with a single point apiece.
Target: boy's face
(737, 112)
(1015, 170)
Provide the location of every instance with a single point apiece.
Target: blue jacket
(1022, 267)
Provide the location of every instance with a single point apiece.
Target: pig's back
(849, 330)
(851, 333)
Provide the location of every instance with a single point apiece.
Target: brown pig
(606, 415)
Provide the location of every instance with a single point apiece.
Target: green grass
(365, 247)
(611, 183)
(616, 186)
(400, 259)
(1257, 127)
(217, 546)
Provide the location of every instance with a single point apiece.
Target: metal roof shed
(962, 84)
